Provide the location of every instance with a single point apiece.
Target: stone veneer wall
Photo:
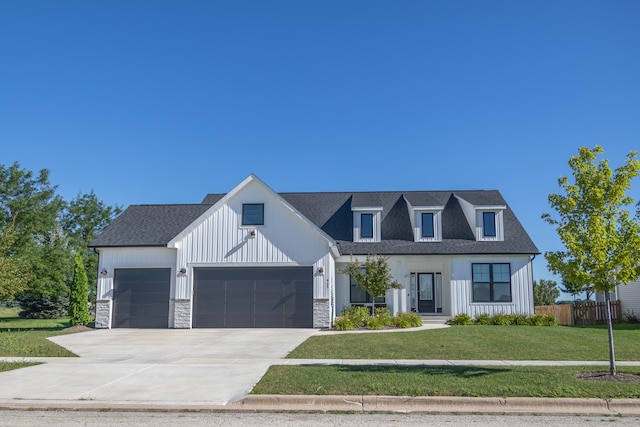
(321, 313)
(103, 318)
(182, 314)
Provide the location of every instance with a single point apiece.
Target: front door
(426, 293)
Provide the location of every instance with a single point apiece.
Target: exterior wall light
(252, 234)
(103, 272)
(183, 270)
(320, 270)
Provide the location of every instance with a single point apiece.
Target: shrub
(630, 317)
(384, 315)
(407, 320)
(461, 319)
(482, 319)
(374, 322)
(522, 320)
(550, 320)
(343, 324)
(358, 315)
(500, 319)
(43, 308)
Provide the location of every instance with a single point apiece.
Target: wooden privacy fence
(595, 312)
(590, 313)
(562, 312)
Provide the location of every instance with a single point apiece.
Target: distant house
(257, 258)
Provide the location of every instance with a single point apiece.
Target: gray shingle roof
(156, 225)
(148, 225)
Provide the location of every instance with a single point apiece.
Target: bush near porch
(354, 317)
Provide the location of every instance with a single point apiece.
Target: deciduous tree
(545, 292)
(373, 275)
(594, 223)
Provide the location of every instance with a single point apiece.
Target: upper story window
(488, 224)
(428, 229)
(366, 224)
(427, 223)
(253, 214)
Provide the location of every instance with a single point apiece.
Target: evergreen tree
(79, 297)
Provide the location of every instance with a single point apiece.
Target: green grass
(9, 366)
(478, 343)
(28, 337)
(473, 381)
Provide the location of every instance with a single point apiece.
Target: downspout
(533, 303)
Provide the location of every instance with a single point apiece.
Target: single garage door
(256, 297)
(141, 298)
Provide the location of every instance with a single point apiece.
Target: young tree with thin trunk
(373, 275)
(600, 235)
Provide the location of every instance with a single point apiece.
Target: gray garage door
(141, 298)
(256, 297)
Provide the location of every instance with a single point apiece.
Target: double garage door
(256, 297)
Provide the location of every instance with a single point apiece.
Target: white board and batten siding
(117, 258)
(521, 287)
(220, 240)
(629, 296)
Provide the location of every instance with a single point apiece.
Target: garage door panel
(253, 297)
(141, 298)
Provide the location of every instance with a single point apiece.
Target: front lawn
(28, 337)
(472, 381)
(478, 343)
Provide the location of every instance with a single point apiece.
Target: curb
(360, 404)
(443, 405)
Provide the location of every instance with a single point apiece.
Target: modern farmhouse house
(256, 258)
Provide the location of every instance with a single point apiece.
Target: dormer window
(489, 224)
(427, 223)
(428, 230)
(366, 224)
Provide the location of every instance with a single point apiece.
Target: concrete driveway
(174, 366)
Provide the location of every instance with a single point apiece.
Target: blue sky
(165, 101)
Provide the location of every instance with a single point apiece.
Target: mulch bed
(600, 376)
(78, 328)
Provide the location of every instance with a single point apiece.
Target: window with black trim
(427, 225)
(491, 282)
(366, 226)
(489, 224)
(359, 295)
(253, 214)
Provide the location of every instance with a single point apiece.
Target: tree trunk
(612, 353)
(373, 306)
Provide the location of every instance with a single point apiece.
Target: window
(491, 282)
(359, 295)
(489, 224)
(366, 226)
(427, 225)
(253, 214)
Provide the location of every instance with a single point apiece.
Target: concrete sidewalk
(163, 398)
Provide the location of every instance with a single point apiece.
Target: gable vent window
(366, 226)
(253, 214)
(489, 224)
(427, 225)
